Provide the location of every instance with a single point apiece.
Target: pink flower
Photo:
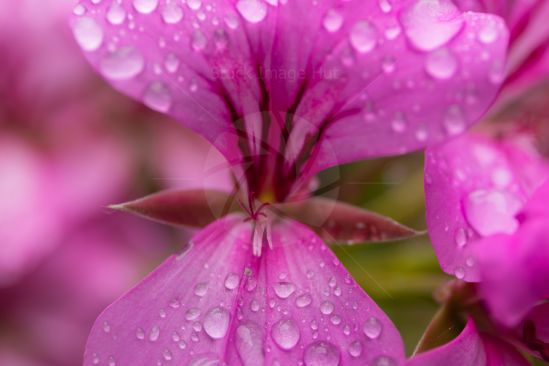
(283, 89)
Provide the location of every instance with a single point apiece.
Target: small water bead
(335, 319)
(122, 64)
(95, 359)
(140, 333)
(285, 333)
(220, 39)
(198, 40)
(79, 10)
(372, 328)
(441, 64)
(111, 361)
(176, 337)
(355, 349)
(154, 334)
(284, 289)
(460, 237)
(429, 24)
(488, 33)
(172, 13)
(232, 281)
(145, 6)
(205, 360)
(174, 304)
(116, 14)
(88, 33)
(194, 4)
(459, 272)
(363, 36)
(106, 327)
(182, 345)
(326, 308)
(333, 20)
(454, 121)
(254, 11)
(231, 21)
(167, 355)
(491, 211)
(384, 361)
(321, 353)
(398, 123)
(249, 344)
(385, 6)
(303, 301)
(216, 322)
(158, 97)
(192, 314)
(470, 261)
(200, 289)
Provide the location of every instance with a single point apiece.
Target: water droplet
(363, 36)
(174, 304)
(124, 63)
(198, 41)
(192, 314)
(333, 20)
(194, 4)
(284, 289)
(205, 360)
(470, 261)
(326, 308)
(140, 333)
(145, 6)
(232, 21)
(441, 64)
(154, 334)
(355, 349)
(454, 121)
(216, 322)
(460, 237)
(385, 6)
(167, 355)
(158, 97)
(172, 13)
(384, 361)
(88, 33)
(488, 33)
(200, 289)
(79, 10)
(388, 64)
(231, 281)
(254, 11)
(111, 361)
(335, 319)
(95, 359)
(116, 14)
(372, 328)
(429, 24)
(303, 301)
(106, 327)
(492, 211)
(321, 353)
(459, 272)
(398, 124)
(249, 344)
(285, 333)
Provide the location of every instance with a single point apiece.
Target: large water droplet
(116, 14)
(285, 333)
(303, 301)
(194, 4)
(321, 353)
(441, 64)
(429, 24)
(492, 211)
(172, 13)
(231, 281)
(355, 349)
(363, 36)
(88, 33)
(249, 344)
(158, 97)
(254, 11)
(326, 307)
(124, 63)
(200, 289)
(145, 6)
(372, 328)
(333, 20)
(284, 289)
(216, 322)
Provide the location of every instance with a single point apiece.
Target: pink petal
(218, 304)
(474, 188)
(514, 270)
(357, 78)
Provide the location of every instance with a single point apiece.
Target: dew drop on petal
(492, 211)
(285, 333)
(372, 328)
(429, 24)
(192, 314)
(488, 33)
(116, 14)
(441, 64)
(321, 353)
(172, 13)
(333, 20)
(194, 4)
(249, 344)
(454, 121)
(122, 64)
(216, 322)
(303, 301)
(460, 237)
(284, 289)
(355, 349)
(459, 272)
(254, 11)
(154, 334)
(158, 97)
(145, 6)
(384, 361)
(200, 289)
(88, 33)
(231, 281)
(326, 307)
(140, 333)
(363, 36)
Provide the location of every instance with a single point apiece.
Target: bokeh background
(70, 146)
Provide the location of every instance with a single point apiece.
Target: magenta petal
(514, 271)
(217, 304)
(474, 188)
(467, 349)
